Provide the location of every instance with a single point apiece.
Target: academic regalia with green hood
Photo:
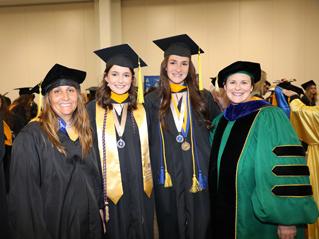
(129, 214)
(180, 213)
(258, 176)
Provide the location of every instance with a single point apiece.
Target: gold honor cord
(168, 181)
(140, 87)
(195, 185)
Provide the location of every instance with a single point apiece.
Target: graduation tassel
(195, 185)
(168, 180)
(200, 77)
(140, 93)
(202, 180)
(162, 176)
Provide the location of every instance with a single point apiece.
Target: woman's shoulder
(153, 99)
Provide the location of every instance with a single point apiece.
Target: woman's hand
(286, 232)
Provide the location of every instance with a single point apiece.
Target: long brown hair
(103, 93)
(81, 123)
(196, 99)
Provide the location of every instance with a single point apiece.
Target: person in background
(4, 225)
(310, 97)
(120, 136)
(179, 113)
(54, 179)
(92, 93)
(258, 178)
(305, 120)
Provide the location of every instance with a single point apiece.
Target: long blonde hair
(49, 123)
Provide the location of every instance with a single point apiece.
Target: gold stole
(7, 134)
(113, 172)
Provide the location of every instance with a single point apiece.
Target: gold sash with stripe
(113, 172)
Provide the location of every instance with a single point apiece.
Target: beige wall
(281, 34)
(33, 38)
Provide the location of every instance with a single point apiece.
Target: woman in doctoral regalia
(120, 135)
(179, 113)
(259, 180)
(54, 177)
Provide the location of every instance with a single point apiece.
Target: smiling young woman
(178, 116)
(121, 138)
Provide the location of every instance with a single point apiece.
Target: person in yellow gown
(305, 120)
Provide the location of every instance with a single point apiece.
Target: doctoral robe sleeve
(305, 120)
(282, 194)
(25, 201)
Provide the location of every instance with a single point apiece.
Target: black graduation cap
(308, 84)
(181, 45)
(62, 75)
(288, 86)
(250, 68)
(35, 89)
(213, 80)
(24, 90)
(121, 55)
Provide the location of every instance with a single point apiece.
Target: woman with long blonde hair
(55, 186)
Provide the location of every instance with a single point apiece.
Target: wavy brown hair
(103, 93)
(81, 123)
(197, 101)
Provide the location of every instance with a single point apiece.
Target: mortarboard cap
(35, 89)
(121, 55)
(213, 80)
(308, 84)
(24, 90)
(62, 75)
(288, 86)
(250, 68)
(180, 45)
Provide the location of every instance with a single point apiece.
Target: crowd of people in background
(240, 160)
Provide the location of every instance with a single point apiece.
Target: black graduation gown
(52, 196)
(4, 232)
(180, 213)
(132, 216)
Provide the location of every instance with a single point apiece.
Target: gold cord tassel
(168, 180)
(200, 77)
(195, 185)
(140, 88)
